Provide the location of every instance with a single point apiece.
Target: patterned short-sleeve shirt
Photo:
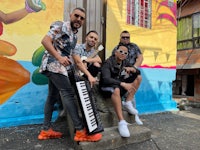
(80, 50)
(133, 52)
(64, 41)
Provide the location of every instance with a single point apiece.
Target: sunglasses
(122, 52)
(125, 37)
(78, 16)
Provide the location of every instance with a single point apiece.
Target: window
(188, 33)
(196, 30)
(139, 13)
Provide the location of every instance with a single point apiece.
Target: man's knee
(139, 78)
(116, 92)
(96, 64)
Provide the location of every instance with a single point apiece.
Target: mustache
(73, 26)
(77, 21)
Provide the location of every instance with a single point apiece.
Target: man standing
(59, 42)
(117, 79)
(135, 58)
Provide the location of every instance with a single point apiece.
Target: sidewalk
(170, 131)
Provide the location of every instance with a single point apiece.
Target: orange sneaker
(49, 134)
(82, 136)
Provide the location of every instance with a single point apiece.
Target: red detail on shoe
(49, 134)
(82, 136)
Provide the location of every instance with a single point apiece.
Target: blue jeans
(60, 84)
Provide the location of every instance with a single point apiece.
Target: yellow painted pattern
(158, 44)
(27, 33)
(19, 41)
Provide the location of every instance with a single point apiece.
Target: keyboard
(87, 106)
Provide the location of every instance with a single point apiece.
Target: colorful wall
(23, 91)
(21, 99)
(158, 46)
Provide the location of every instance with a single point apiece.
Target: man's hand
(64, 60)
(128, 86)
(132, 69)
(92, 80)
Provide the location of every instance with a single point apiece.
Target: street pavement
(178, 130)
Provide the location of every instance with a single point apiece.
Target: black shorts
(107, 91)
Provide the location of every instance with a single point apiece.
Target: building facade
(188, 50)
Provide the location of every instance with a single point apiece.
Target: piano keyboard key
(87, 107)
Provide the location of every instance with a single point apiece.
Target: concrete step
(111, 138)
(109, 119)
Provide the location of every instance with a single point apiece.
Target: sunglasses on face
(78, 16)
(122, 52)
(125, 37)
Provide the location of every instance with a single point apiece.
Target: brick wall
(188, 59)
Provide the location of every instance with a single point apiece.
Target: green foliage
(37, 56)
(37, 77)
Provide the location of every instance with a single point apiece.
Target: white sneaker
(123, 103)
(137, 120)
(129, 107)
(123, 128)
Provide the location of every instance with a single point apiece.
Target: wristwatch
(135, 67)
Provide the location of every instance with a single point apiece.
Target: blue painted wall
(155, 92)
(26, 106)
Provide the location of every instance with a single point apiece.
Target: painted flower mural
(13, 76)
(37, 77)
(172, 9)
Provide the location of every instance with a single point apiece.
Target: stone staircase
(111, 138)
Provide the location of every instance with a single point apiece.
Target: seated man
(88, 63)
(117, 79)
(135, 58)
(86, 57)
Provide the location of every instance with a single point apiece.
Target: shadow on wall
(155, 92)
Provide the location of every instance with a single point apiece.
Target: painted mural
(23, 90)
(13, 76)
(21, 100)
(157, 43)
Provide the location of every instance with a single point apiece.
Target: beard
(90, 44)
(75, 26)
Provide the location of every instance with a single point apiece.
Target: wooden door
(95, 18)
